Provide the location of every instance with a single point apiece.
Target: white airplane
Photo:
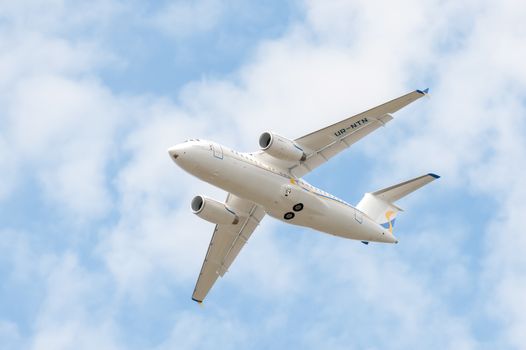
(269, 182)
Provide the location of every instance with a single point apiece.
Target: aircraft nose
(174, 152)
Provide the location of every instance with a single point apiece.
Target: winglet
(200, 302)
(434, 175)
(423, 92)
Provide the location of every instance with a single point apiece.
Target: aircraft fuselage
(283, 197)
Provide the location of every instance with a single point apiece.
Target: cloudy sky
(98, 247)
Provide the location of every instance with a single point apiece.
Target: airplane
(269, 181)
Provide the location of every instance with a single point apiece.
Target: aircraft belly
(339, 220)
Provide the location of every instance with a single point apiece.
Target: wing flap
(330, 152)
(385, 119)
(249, 226)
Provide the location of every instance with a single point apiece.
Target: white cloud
(57, 120)
(75, 310)
(265, 269)
(75, 313)
(57, 17)
(64, 129)
(504, 265)
(26, 54)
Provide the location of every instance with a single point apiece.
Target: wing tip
(423, 92)
(197, 301)
(434, 175)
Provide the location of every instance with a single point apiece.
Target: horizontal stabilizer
(393, 193)
(380, 206)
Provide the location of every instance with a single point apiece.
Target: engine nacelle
(213, 211)
(281, 147)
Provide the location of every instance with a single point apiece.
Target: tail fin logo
(389, 224)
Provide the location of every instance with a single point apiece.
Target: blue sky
(100, 250)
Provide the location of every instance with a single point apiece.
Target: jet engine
(213, 211)
(281, 147)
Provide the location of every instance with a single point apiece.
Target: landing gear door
(217, 150)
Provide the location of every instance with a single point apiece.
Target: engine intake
(280, 147)
(213, 211)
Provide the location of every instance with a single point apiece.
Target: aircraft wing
(226, 244)
(321, 145)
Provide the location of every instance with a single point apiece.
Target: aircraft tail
(380, 205)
